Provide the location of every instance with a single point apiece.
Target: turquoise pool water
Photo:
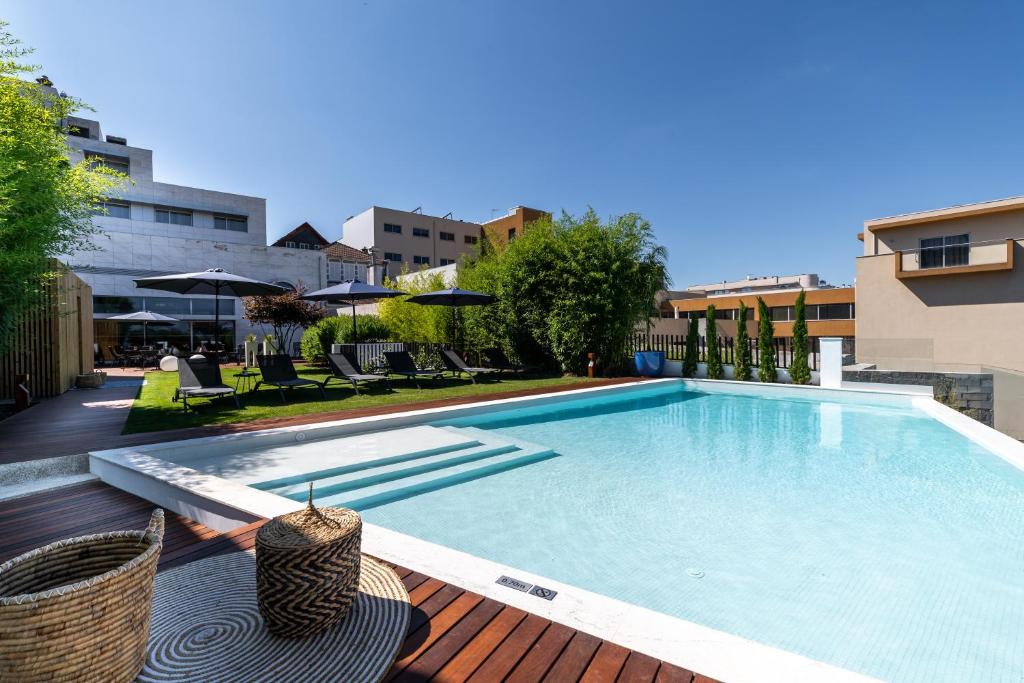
(870, 537)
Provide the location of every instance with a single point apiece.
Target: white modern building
(410, 239)
(155, 228)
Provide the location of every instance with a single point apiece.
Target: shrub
(317, 340)
(408, 322)
(713, 355)
(741, 364)
(690, 353)
(765, 343)
(799, 370)
(567, 287)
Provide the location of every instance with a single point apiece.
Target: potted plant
(269, 349)
(91, 380)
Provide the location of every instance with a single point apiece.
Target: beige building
(938, 291)
(410, 239)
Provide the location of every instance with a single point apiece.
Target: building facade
(503, 230)
(410, 239)
(155, 228)
(939, 290)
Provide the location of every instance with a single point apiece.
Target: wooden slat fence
(54, 340)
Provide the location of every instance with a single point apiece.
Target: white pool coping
(224, 505)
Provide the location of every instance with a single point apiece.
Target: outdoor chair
(401, 363)
(499, 361)
(200, 378)
(277, 371)
(454, 363)
(346, 368)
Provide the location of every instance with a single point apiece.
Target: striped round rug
(206, 627)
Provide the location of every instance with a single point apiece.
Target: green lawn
(153, 410)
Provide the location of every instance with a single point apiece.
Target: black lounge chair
(499, 361)
(401, 363)
(454, 363)
(347, 368)
(277, 371)
(200, 378)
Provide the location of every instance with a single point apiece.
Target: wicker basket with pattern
(307, 569)
(79, 609)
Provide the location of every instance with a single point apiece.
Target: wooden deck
(454, 635)
(88, 420)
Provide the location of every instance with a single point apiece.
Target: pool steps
(475, 453)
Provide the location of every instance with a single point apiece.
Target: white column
(676, 312)
(831, 362)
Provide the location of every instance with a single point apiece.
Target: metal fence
(674, 346)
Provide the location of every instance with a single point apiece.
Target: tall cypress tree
(765, 346)
(714, 357)
(741, 366)
(690, 354)
(799, 370)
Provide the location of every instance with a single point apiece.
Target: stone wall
(970, 393)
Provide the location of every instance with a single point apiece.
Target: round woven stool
(307, 569)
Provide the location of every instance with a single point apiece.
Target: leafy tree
(412, 322)
(799, 370)
(741, 364)
(765, 343)
(285, 314)
(46, 203)
(690, 352)
(566, 287)
(714, 356)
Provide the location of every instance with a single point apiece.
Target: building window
(114, 163)
(304, 245)
(78, 131)
(945, 252)
(447, 236)
(470, 239)
(422, 232)
(235, 223)
(392, 228)
(172, 216)
(511, 234)
(782, 313)
(421, 260)
(289, 244)
(114, 209)
(835, 311)
(447, 261)
(392, 256)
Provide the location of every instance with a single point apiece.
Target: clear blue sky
(756, 137)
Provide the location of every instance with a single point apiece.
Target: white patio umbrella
(145, 317)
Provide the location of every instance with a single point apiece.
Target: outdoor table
(244, 379)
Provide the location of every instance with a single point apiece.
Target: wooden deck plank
(606, 664)
(481, 646)
(639, 668)
(454, 635)
(534, 666)
(447, 646)
(575, 658)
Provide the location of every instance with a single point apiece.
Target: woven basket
(79, 609)
(307, 569)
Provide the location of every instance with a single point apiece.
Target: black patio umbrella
(145, 317)
(351, 292)
(453, 298)
(214, 281)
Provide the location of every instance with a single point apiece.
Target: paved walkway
(454, 635)
(86, 420)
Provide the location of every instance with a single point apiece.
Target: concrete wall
(973, 394)
(952, 323)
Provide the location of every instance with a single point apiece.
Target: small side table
(244, 379)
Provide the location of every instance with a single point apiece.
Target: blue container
(649, 363)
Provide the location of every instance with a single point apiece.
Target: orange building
(830, 312)
(505, 229)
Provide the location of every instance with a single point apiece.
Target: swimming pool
(852, 529)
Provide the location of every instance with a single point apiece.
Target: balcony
(970, 257)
